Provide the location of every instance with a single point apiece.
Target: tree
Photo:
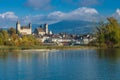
(1, 39)
(28, 40)
(11, 31)
(5, 36)
(108, 33)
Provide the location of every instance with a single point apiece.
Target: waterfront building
(23, 30)
(39, 31)
(42, 30)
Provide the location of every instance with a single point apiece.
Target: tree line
(10, 38)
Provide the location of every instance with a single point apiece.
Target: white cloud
(87, 14)
(84, 13)
(8, 19)
(57, 15)
(8, 15)
(85, 10)
(33, 19)
(117, 14)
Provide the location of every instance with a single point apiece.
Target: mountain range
(71, 26)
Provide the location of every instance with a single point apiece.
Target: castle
(42, 30)
(24, 30)
(27, 30)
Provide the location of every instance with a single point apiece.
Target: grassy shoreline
(14, 48)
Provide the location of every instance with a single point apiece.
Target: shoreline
(38, 50)
(46, 48)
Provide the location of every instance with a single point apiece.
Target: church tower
(46, 28)
(30, 25)
(18, 27)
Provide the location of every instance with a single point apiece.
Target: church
(42, 30)
(27, 30)
(23, 30)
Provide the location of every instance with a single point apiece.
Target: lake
(61, 65)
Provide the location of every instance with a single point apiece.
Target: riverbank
(44, 48)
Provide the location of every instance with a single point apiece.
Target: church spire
(18, 22)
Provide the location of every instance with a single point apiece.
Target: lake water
(61, 65)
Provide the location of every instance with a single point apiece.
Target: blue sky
(51, 11)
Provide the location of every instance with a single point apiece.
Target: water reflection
(111, 54)
(61, 65)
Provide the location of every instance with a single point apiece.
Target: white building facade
(24, 30)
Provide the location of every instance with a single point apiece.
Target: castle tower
(30, 25)
(18, 27)
(46, 28)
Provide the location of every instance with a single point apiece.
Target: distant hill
(71, 26)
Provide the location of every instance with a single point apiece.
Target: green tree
(108, 33)
(1, 39)
(11, 31)
(28, 40)
(5, 36)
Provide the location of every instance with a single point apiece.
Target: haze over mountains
(71, 26)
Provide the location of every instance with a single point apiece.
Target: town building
(39, 31)
(42, 30)
(23, 30)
